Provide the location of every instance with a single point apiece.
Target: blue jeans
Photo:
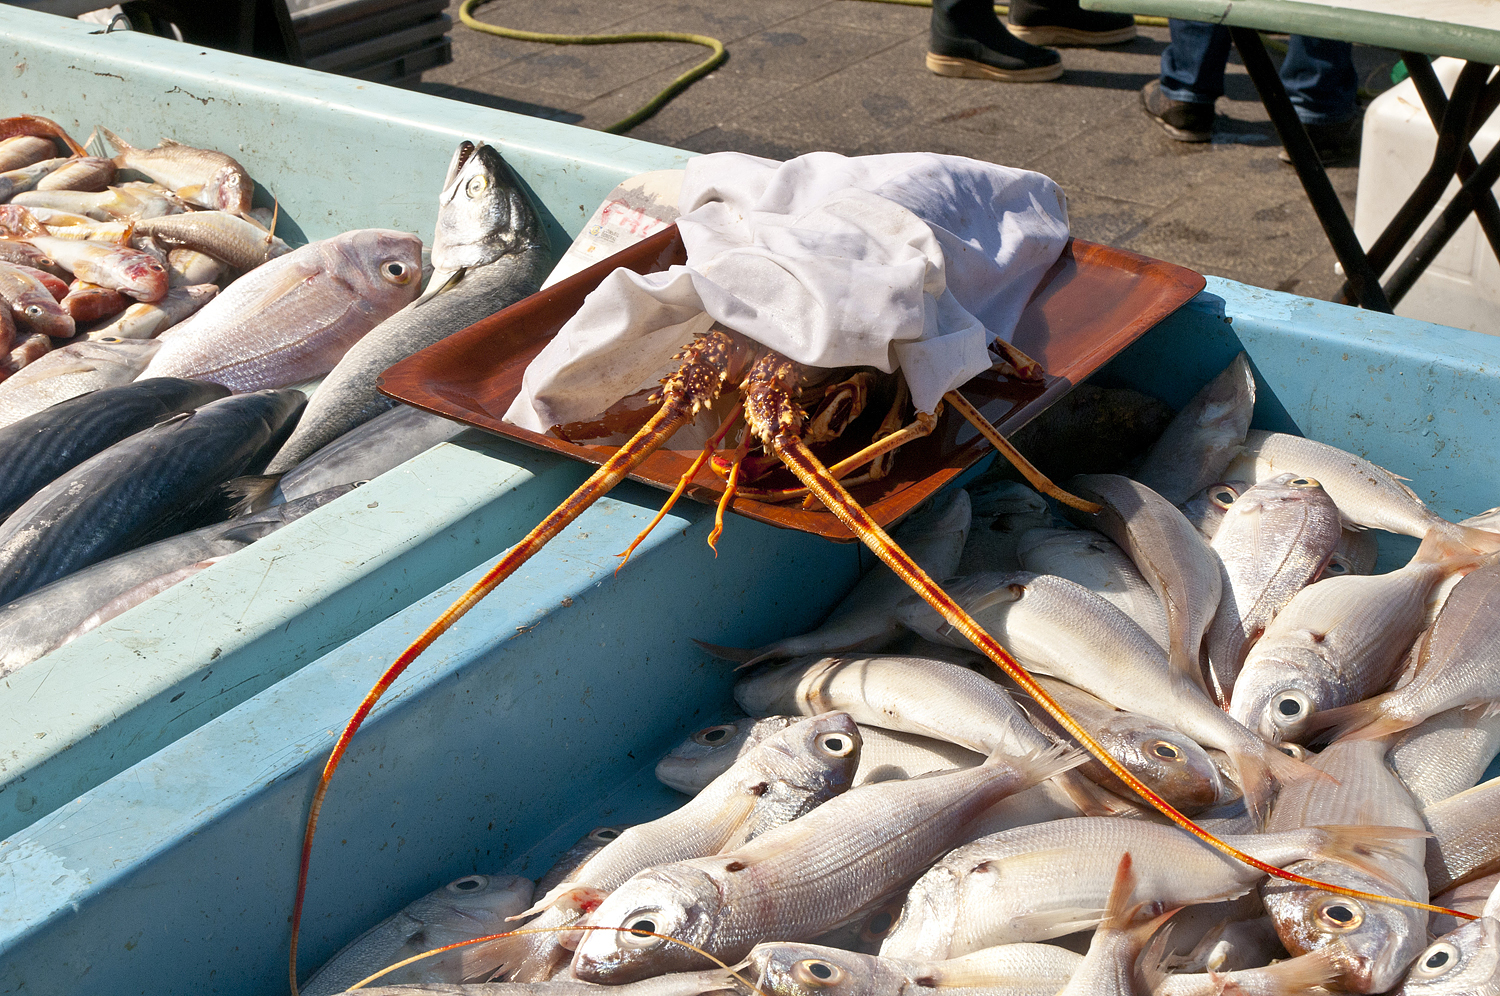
(1318, 74)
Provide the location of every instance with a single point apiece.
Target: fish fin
(737, 655)
(250, 494)
(1152, 965)
(1118, 913)
(1367, 847)
(190, 191)
(1362, 720)
(440, 281)
(566, 895)
(1043, 763)
(1059, 921)
(1090, 799)
(1487, 709)
(168, 143)
(115, 140)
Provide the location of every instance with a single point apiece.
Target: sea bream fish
(489, 251)
(1274, 540)
(1368, 495)
(200, 176)
(800, 880)
(468, 907)
(139, 489)
(1094, 561)
(1465, 962)
(790, 773)
(781, 968)
(1204, 437)
(291, 319)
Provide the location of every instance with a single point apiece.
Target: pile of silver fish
(152, 397)
(889, 816)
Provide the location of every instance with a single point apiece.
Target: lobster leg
(1036, 477)
(708, 363)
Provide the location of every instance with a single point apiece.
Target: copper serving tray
(1093, 303)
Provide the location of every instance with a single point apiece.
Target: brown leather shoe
(1182, 121)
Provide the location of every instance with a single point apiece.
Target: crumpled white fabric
(912, 260)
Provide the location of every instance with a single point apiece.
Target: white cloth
(911, 260)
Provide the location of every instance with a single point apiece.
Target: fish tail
(1262, 769)
(1369, 848)
(736, 655)
(118, 142)
(250, 494)
(1301, 974)
(1364, 720)
(1460, 548)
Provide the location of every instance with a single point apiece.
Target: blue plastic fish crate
(541, 713)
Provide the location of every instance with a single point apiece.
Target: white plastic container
(1461, 287)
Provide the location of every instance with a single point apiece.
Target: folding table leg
(1362, 278)
(1454, 215)
(1486, 210)
(1455, 128)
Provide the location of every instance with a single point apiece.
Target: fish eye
(604, 833)
(468, 883)
(1166, 751)
(1224, 497)
(1436, 960)
(1339, 914)
(639, 930)
(713, 735)
(1293, 750)
(33, 311)
(877, 926)
(836, 744)
(1336, 567)
(476, 185)
(395, 271)
(1304, 482)
(1290, 706)
(109, 338)
(816, 972)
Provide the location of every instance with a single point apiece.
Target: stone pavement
(848, 76)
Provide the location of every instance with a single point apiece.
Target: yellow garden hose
(681, 83)
(466, 15)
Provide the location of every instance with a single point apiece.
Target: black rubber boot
(1063, 22)
(968, 41)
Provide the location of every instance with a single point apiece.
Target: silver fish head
(676, 900)
(482, 213)
(1372, 943)
(1206, 509)
(1167, 760)
(786, 969)
(709, 752)
(1277, 697)
(229, 189)
(1465, 961)
(477, 898)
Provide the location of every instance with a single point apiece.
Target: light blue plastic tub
(541, 714)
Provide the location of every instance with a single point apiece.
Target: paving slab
(848, 76)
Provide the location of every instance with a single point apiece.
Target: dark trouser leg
(1192, 66)
(1320, 80)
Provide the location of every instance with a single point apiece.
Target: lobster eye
(468, 883)
(1166, 751)
(836, 744)
(816, 972)
(396, 271)
(713, 735)
(1340, 915)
